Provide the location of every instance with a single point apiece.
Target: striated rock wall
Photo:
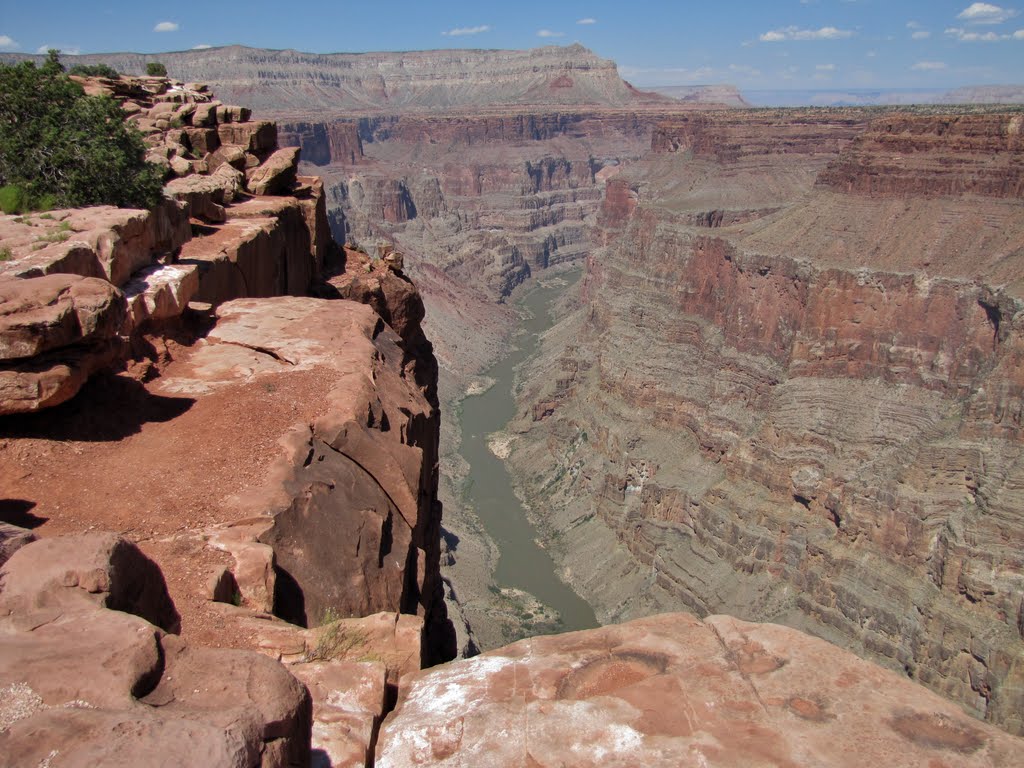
(806, 435)
(324, 143)
(732, 135)
(908, 156)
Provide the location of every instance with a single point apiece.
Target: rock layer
(817, 428)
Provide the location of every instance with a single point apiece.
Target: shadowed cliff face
(820, 429)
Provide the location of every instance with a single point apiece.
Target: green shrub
(65, 149)
(94, 70)
(156, 69)
(14, 199)
(5, 254)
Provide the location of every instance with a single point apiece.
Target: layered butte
(791, 391)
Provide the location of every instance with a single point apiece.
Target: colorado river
(523, 564)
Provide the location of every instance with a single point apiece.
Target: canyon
(787, 388)
(790, 390)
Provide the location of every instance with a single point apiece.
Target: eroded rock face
(353, 520)
(809, 417)
(55, 331)
(902, 156)
(672, 690)
(87, 680)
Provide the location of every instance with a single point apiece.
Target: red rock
(259, 136)
(276, 176)
(671, 690)
(933, 155)
(94, 683)
(55, 311)
(348, 705)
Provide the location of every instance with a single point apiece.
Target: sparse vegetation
(62, 148)
(335, 642)
(95, 70)
(5, 254)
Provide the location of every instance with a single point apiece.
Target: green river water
(523, 564)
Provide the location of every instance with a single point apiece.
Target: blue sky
(754, 44)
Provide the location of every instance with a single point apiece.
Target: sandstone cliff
(808, 412)
(166, 374)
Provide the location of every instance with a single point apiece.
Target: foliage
(14, 199)
(156, 69)
(5, 254)
(55, 141)
(94, 70)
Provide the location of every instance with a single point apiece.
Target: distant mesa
(293, 82)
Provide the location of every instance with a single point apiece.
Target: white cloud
(549, 33)
(743, 69)
(587, 20)
(8, 43)
(928, 66)
(985, 13)
(913, 25)
(964, 36)
(458, 31)
(201, 47)
(65, 50)
(671, 75)
(1019, 34)
(166, 26)
(795, 33)
(921, 34)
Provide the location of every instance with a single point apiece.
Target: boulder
(348, 704)
(257, 136)
(205, 195)
(87, 570)
(13, 538)
(53, 377)
(55, 332)
(55, 311)
(671, 690)
(86, 680)
(161, 292)
(277, 175)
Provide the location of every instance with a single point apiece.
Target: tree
(73, 150)
(156, 69)
(52, 64)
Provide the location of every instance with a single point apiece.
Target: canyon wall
(287, 82)
(805, 411)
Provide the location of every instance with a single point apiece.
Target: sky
(755, 44)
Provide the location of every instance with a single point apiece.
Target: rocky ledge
(672, 690)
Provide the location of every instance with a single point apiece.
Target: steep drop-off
(810, 412)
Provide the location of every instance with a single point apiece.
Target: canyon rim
(770, 430)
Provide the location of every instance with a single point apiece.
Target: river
(522, 564)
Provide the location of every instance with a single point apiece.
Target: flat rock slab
(671, 690)
(47, 313)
